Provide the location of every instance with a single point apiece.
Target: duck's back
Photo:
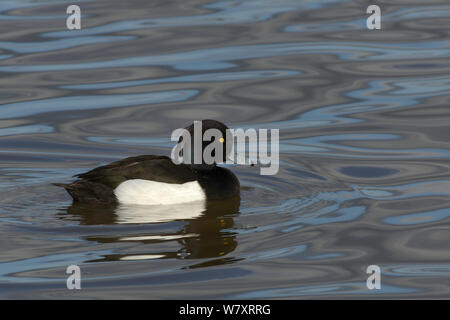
(99, 184)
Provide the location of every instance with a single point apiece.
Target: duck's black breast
(218, 183)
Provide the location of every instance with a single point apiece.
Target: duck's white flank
(146, 192)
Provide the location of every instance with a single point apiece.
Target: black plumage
(97, 185)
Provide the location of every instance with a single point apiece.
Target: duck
(157, 179)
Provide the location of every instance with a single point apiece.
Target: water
(364, 141)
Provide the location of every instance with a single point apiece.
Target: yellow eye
(221, 140)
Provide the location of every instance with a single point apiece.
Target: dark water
(364, 140)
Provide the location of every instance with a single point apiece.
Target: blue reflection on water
(77, 103)
(220, 58)
(225, 13)
(7, 5)
(29, 129)
(419, 218)
(345, 288)
(206, 77)
(9, 270)
(46, 46)
(417, 12)
(417, 270)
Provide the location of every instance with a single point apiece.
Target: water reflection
(205, 232)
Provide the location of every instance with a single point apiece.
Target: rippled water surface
(364, 147)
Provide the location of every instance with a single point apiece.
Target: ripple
(8, 5)
(414, 13)
(225, 13)
(417, 270)
(10, 271)
(379, 96)
(206, 77)
(77, 103)
(351, 288)
(29, 129)
(419, 218)
(32, 47)
(222, 58)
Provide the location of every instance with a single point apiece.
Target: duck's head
(214, 144)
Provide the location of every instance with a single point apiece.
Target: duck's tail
(88, 191)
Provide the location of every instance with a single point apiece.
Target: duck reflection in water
(152, 189)
(202, 229)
